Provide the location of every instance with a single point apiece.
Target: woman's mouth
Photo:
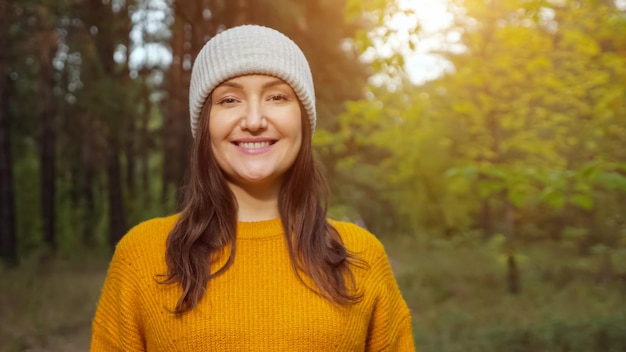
(254, 145)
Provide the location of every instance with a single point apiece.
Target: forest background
(498, 188)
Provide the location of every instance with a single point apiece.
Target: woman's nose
(254, 119)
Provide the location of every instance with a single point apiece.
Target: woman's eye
(227, 100)
(278, 97)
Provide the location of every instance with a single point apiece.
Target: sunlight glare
(421, 64)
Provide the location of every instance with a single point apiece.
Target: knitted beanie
(250, 49)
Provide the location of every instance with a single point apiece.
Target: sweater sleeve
(390, 327)
(116, 325)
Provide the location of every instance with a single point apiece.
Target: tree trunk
(513, 277)
(513, 274)
(129, 153)
(143, 140)
(48, 45)
(87, 187)
(112, 28)
(8, 236)
(242, 12)
(130, 150)
(117, 219)
(485, 221)
(172, 172)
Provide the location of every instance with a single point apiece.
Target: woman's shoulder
(149, 233)
(359, 240)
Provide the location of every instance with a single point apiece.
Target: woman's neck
(256, 203)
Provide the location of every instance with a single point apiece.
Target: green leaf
(553, 197)
(612, 180)
(582, 200)
(489, 187)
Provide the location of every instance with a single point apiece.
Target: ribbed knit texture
(244, 50)
(258, 304)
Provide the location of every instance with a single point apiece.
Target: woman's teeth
(254, 145)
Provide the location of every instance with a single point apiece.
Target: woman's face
(255, 128)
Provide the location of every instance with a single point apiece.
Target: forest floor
(457, 292)
(47, 304)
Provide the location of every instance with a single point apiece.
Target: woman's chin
(255, 180)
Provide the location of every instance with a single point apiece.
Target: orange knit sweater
(258, 304)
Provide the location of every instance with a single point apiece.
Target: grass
(48, 303)
(456, 291)
(460, 302)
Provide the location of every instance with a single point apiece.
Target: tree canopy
(524, 138)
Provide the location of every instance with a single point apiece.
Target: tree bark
(485, 219)
(117, 219)
(87, 187)
(130, 149)
(144, 139)
(48, 45)
(513, 276)
(111, 27)
(176, 111)
(242, 13)
(8, 235)
(130, 156)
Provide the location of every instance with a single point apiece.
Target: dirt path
(49, 308)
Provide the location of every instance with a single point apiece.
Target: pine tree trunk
(129, 154)
(485, 220)
(87, 187)
(172, 172)
(242, 12)
(8, 235)
(513, 276)
(48, 45)
(130, 150)
(117, 219)
(144, 164)
(112, 25)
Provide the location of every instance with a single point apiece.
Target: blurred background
(483, 141)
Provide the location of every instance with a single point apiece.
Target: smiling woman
(251, 263)
(255, 130)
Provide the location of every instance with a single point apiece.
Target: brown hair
(208, 221)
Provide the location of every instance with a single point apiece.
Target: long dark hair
(208, 221)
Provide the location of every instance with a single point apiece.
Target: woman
(251, 263)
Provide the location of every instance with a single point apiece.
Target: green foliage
(568, 303)
(529, 118)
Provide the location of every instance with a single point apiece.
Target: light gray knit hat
(250, 49)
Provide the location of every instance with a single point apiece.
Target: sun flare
(432, 17)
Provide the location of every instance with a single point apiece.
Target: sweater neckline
(260, 229)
